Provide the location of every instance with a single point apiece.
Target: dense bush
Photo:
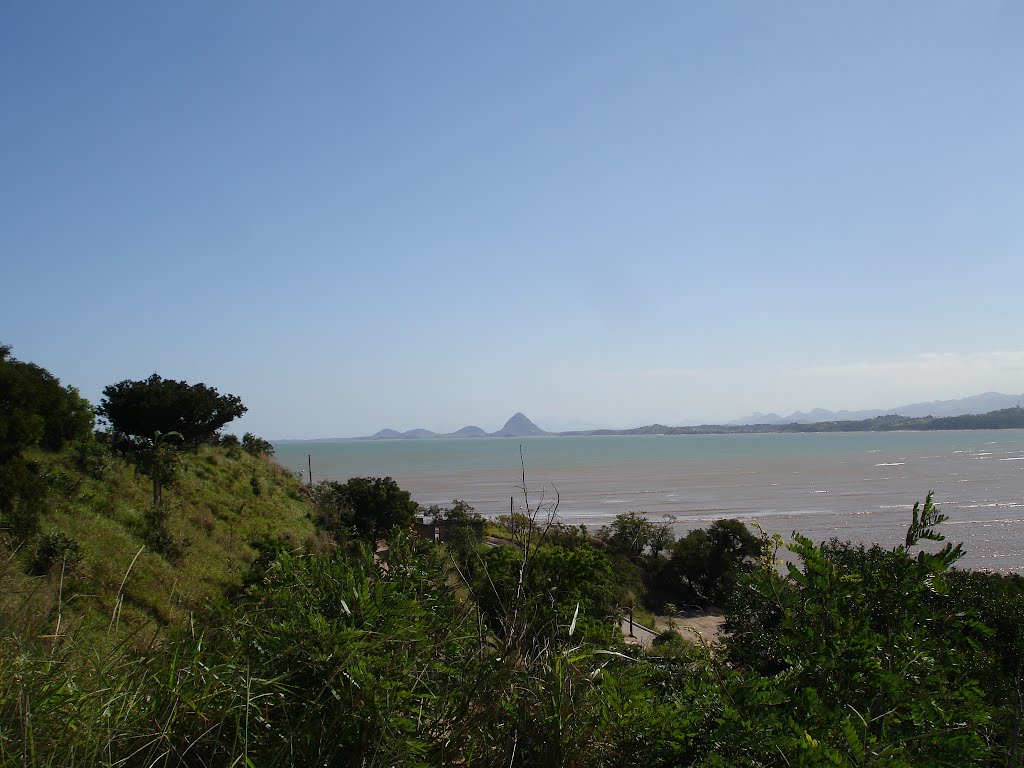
(364, 507)
(35, 411)
(532, 599)
(869, 650)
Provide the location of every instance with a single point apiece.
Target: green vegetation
(257, 446)
(364, 507)
(139, 410)
(36, 412)
(705, 565)
(699, 570)
(241, 620)
(150, 419)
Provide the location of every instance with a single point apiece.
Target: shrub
(364, 506)
(158, 537)
(90, 457)
(257, 446)
(55, 550)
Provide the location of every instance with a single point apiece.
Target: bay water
(857, 486)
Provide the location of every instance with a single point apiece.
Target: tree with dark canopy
(363, 506)
(633, 535)
(35, 411)
(138, 411)
(257, 446)
(705, 563)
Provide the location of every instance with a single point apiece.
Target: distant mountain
(938, 414)
(468, 432)
(1006, 418)
(519, 426)
(412, 434)
(978, 404)
(966, 406)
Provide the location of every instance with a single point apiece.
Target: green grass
(495, 531)
(224, 504)
(80, 634)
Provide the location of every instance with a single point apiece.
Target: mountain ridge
(519, 425)
(986, 402)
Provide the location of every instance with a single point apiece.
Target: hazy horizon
(563, 426)
(358, 216)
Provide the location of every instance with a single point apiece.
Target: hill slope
(121, 558)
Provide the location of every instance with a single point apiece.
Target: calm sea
(857, 486)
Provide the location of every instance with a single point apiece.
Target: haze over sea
(858, 486)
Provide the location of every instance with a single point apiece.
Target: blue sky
(437, 214)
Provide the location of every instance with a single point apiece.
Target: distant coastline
(520, 426)
(1007, 418)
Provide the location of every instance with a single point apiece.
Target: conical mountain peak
(519, 426)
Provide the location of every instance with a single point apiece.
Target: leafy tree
(634, 535)
(535, 598)
(520, 526)
(257, 446)
(35, 410)
(21, 493)
(363, 506)
(704, 563)
(459, 512)
(568, 536)
(463, 535)
(159, 460)
(137, 410)
(868, 651)
(998, 601)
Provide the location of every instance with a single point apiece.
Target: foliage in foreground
(853, 656)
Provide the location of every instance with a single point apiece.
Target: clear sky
(433, 214)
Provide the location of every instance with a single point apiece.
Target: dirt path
(694, 626)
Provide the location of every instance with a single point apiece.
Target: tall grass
(100, 663)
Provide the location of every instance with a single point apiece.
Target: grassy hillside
(104, 553)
